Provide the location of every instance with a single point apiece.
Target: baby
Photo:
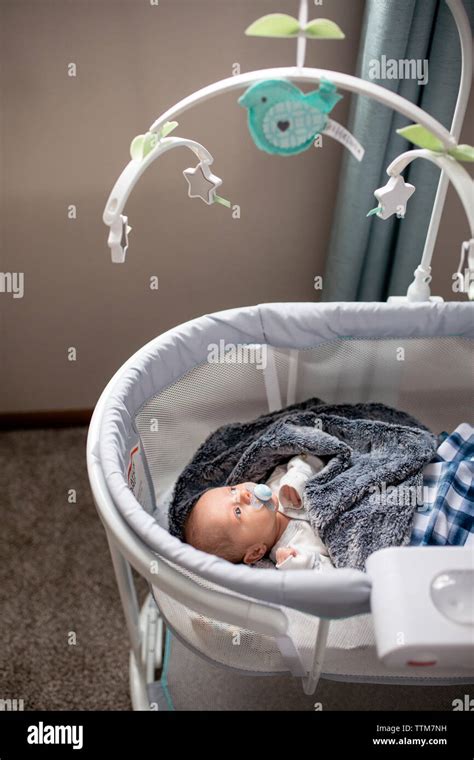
(232, 523)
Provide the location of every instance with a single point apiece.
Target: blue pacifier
(262, 496)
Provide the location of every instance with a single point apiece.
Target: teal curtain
(370, 259)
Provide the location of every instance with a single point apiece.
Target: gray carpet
(57, 586)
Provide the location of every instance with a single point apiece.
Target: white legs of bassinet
(154, 640)
(312, 679)
(145, 631)
(146, 628)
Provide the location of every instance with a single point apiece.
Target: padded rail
(160, 363)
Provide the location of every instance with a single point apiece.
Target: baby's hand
(290, 494)
(284, 552)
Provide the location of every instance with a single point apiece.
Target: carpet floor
(63, 641)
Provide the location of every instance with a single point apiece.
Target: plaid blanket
(447, 515)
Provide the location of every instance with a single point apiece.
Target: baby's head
(224, 522)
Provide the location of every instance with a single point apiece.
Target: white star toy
(393, 197)
(202, 183)
(118, 238)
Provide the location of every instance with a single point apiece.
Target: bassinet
(166, 399)
(169, 396)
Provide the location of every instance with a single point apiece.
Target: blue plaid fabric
(447, 515)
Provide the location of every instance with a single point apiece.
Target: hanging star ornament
(118, 238)
(202, 182)
(392, 198)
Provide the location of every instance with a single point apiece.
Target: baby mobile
(282, 120)
(285, 121)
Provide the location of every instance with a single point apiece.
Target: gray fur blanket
(367, 447)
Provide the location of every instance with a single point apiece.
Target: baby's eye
(235, 495)
(237, 512)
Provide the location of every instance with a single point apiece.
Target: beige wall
(65, 141)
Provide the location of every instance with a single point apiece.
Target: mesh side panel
(227, 644)
(431, 378)
(438, 382)
(252, 652)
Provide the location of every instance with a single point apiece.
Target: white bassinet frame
(136, 539)
(132, 548)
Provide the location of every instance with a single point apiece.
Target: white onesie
(299, 535)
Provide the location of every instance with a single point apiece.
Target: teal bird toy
(282, 119)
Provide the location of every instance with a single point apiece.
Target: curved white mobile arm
(419, 290)
(135, 168)
(310, 76)
(127, 180)
(113, 217)
(460, 178)
(118, 223)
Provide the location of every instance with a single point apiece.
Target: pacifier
(261, 496)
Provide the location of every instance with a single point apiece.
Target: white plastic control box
(423, 606)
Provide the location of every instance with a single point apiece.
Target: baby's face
(228, 510)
